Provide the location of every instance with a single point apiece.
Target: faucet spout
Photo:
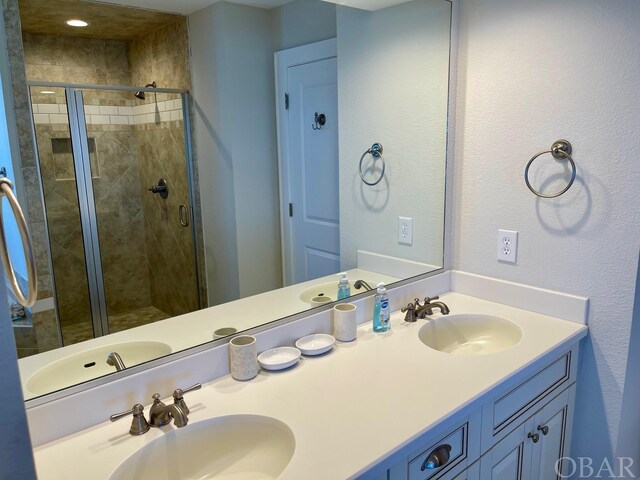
(115, 360)
(180, 418)
(162, 414)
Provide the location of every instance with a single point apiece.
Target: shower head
(141, 94)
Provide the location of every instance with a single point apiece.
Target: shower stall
(117, 180)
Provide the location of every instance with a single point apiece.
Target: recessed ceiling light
(48, 92)
(77, 23)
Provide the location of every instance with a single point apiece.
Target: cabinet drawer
(456, 446)
(513, 406)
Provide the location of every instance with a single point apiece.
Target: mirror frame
(446, 254)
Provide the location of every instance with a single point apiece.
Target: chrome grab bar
(6, 189)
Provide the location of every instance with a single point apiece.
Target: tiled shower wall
(162, 56)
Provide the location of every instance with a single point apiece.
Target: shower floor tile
(117, 323)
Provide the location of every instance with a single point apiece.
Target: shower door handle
(183, 215)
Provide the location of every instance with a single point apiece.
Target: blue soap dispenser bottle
(344, 289)
(381, 309)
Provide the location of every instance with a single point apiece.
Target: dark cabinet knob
(534, 437)
(543, 429)
(437, 458)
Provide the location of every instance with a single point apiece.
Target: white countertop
(196, 328)
(348, 409)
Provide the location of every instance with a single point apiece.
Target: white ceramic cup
(224, 332)
(345, 326)
(243, 357)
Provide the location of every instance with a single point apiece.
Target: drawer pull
(534, 436)
(544, 429)
(437, 458)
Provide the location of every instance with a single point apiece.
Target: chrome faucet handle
(410, 311)
(178, 393)
(139, 424)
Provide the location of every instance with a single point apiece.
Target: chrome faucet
(428, 306)
(115, 360)
(358, 284)
(416, 310)
(160, 413)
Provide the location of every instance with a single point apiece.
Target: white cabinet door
(510, 459)
(471, 473)
(552, 424)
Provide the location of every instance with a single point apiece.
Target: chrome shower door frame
(88, 219)
(86, 199)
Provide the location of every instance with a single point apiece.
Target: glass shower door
(122, 253)
(140, 182)
(70, 287)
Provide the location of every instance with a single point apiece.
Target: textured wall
(402, 51)
(302, 22)
(524, 82)
(232, 48)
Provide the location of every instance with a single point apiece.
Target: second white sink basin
(235, 447)
(470, 334)
(90, 364)
(328, 291)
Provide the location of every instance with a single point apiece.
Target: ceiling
(106, 21)
(372, 5)
(127, 19)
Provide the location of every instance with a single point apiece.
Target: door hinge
(291, 209)
(286, 101)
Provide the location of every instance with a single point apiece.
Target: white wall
(402, 52)
(528, 74)
(303, 22)
(233, 89)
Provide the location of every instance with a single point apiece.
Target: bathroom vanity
(384, 406)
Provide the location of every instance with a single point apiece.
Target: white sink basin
(329, 290)
(90, 364)
(470, 334)
(238, 447)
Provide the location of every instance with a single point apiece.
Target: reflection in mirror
(232, 189)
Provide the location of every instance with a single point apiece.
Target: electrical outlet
(507, 246)
(405, 230)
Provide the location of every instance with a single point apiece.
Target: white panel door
(313, 177)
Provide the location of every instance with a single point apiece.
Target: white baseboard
(392, 266)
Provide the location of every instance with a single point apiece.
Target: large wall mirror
(189, 176)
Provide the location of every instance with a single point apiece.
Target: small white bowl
(315, 344)
(279, 358)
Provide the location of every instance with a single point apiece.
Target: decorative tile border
(165, 111)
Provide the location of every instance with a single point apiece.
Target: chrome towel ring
(6, 189)
(561, 150)
(375, 151)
